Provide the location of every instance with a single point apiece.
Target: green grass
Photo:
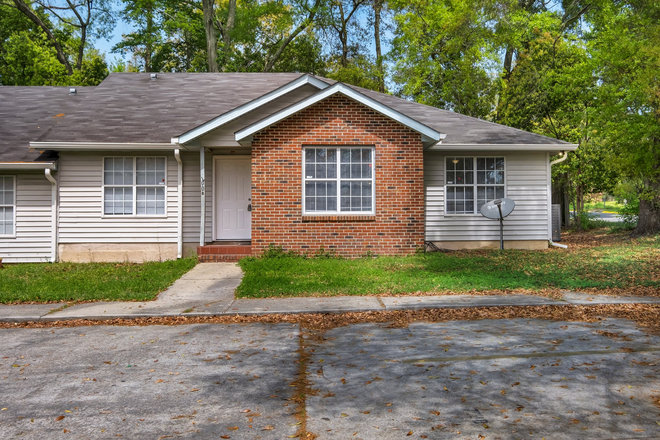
(623, 264)
(46, 282)
(608, 206)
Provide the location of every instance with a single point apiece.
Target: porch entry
(232, 216)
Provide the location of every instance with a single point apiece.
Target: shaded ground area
(596, 262)
(485, 379)
(195, 381)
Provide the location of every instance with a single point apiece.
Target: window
(7, 204)
(338, 180)
(134, 185)
(471, 182)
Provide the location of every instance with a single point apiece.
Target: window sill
(339, 218)
(7, 236)
(132, 216)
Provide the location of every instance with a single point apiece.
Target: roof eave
(104, 146)
(503, 147)
(28, 166)
(252, 105)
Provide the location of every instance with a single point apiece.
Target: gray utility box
(556, 223)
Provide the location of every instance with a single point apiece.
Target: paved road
(606, 216)
(498, 379)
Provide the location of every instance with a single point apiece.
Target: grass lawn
(594, 261)
(608, 206)
(45, 282)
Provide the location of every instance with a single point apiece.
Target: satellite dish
(498, 209)
(492, 208)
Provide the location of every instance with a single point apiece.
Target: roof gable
(429, 135)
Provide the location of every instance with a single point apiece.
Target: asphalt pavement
(493, 379)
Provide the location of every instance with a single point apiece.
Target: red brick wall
(398, 225)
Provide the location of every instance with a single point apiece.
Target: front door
(232, 194)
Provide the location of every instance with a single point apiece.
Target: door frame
(216, 194)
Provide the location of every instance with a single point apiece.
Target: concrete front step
(226, 258)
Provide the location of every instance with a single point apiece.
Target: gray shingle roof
(131, 107)
(27, 113)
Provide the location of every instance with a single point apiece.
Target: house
(159, 166)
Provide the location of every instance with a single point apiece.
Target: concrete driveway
(492, 379)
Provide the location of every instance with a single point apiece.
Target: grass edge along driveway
(611, 263)
(52, 282)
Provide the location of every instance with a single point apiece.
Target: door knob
(250, 207)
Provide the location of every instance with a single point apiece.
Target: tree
(625, 45)
(445, 53)
(146, 17)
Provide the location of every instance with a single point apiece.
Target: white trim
(28, 166)
(134, 186)
(474, 185)
(202, 196)
(214, 229)
(13, 206)
(95, 146)
(338, 212)
(504, 147)
(239, 111)
(431, 134)
(53, 222)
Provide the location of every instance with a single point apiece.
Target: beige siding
(81, 217)
(224, 136)
(526, 184)
(32, 243)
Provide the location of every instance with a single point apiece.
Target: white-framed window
(472, 181)
(339, 180)
(7, 205)
(134, 185)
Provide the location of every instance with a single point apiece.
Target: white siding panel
(191, 197)
(526, 184)
(81, 217)
(32, 243)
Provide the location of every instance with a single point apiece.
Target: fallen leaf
(268, 428)
(409, 433)
(232, 428)
(435, 413)
(59, 418)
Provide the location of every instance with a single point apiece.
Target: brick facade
(398, 224)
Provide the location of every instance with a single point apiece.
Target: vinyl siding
(81, 217)
(191, 197)
(32, 243)
(526, 184)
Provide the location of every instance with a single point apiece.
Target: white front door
(232, 195)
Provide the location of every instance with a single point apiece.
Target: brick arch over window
(397, 225)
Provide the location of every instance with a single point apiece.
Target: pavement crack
(303, 389)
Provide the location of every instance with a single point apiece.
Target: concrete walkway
(208, 290)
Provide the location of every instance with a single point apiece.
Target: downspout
(179, 244)
(53, 220)
(563, 156)
(202, 185)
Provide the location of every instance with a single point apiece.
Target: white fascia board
(18, 166)
(103, 146)
(350, 93)
(252, 105)
(504, 147)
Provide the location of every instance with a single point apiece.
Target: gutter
(96, 146)
(53, 221)
(563, 156)
(27, 166)
(179, 244)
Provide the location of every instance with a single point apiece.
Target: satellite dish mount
(498, 209)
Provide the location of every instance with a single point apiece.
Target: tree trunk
(148, 47)
(27, 11)
(378, 6)
(508, 61)
(211, 36)
(229, 26)
(649, 210)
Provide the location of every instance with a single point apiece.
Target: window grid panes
(7, 201)
(134, 185)
(473, 181)
(355, 180)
